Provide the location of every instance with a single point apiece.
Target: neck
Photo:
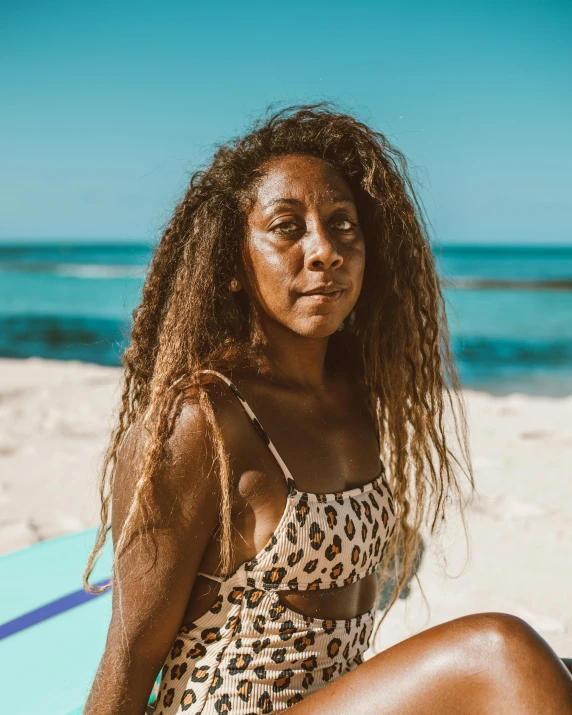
(293, 359)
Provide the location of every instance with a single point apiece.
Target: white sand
(55, 418)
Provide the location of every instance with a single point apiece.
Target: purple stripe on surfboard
(49, 610)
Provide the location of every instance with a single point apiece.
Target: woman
(291, 336)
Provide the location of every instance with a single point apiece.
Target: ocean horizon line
(50, 242)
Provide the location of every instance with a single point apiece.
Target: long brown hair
(397, 339)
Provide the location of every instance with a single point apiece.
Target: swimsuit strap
(259, 428)
(218, 579)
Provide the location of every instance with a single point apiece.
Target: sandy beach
(55, 418)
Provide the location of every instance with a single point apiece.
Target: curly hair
(397, 340)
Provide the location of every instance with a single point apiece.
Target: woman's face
(304, 245)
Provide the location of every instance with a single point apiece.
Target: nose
(322, 251)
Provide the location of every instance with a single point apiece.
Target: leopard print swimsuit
(251, 654)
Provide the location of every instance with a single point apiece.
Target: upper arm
(155, 574)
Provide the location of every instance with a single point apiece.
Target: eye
(344, 224)
(286, 227)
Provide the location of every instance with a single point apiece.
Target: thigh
(463, 666)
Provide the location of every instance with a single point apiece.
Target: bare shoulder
(184, 480)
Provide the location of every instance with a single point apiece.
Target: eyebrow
(296, 202)
(283, 200)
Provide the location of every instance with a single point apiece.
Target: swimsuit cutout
(249, 653)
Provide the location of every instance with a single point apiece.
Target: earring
(235, 285)
(341, 326)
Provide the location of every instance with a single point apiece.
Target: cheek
(355, 263)
(274, 272)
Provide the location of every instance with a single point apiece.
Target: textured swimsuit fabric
(249, 653)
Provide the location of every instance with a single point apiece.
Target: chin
(318, 329)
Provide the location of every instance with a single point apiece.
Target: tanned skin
(303, 231)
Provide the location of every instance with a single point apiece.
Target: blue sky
(108, 106)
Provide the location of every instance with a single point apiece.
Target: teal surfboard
(52, 634)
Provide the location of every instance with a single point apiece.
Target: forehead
(301, 177)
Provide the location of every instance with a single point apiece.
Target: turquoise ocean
(510, 309)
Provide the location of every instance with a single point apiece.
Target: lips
(325, 289)
(330, 297)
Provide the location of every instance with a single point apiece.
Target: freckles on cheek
(273, 274)
(270, 274)
(276, 289)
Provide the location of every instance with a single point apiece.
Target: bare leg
(485, 664)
